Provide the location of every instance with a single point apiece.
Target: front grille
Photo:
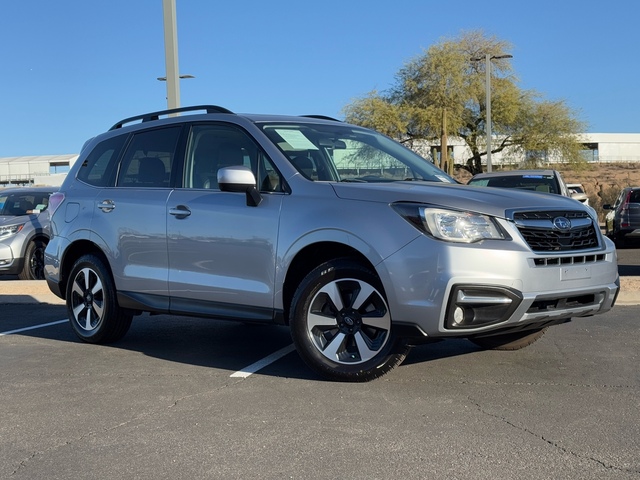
(538, 230)
(549, 215)
(550, 240)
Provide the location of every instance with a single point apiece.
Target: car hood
(15, 219)
(485, 200)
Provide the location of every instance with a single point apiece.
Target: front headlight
(10, 230)
(451, 225)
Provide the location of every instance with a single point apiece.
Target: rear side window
(635, 196)
(148, 160)
(99, 167)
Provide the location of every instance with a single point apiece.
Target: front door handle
(180, 211)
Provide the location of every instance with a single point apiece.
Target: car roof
(197, 112)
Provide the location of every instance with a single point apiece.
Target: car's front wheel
(33, 261)
(94, 312)
(341, 325)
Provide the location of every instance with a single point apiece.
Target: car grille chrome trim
(538, 230)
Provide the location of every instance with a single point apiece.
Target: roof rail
(149, 117)
(322, 117)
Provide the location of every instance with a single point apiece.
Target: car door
(633, 209)
(222, 252)
(130, 217)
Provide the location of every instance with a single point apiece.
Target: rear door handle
(180, 211)
(107, 205)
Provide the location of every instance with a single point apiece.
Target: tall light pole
(171, 54)
(488, 57)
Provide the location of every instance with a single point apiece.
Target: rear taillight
(54, 202)
(625, 206)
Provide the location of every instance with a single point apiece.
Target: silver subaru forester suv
(360, 246)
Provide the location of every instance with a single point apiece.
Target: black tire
(620, 240)
(509, 341)
(341, 325)
(33, 268)
(94, 313)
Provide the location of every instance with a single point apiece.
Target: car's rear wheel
(33, 268)
(509, 341)
(341, 325)
(620, 240)
(94, 312)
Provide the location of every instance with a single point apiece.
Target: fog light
(458, 316)
(475, 306)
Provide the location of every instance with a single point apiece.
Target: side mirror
(607, 206)
(240, 179)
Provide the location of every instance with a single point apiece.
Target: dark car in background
(543, 181)
(24, 231)
(622, 222)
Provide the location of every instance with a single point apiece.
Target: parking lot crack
(107, 429)
(552, 443)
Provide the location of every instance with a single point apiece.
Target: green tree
(441, 93)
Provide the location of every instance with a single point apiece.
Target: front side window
(343, 153)
(149, 158)
(214, 146)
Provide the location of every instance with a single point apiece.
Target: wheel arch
(72, 254)
(309, 258)
(37, 235)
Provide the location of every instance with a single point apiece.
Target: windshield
(344, 153)
(534, 182)
(16, 204)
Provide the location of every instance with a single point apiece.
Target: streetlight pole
(487, 59)
(171, 53)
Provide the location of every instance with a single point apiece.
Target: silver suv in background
(24, 231)
(542, 181)
(360, 246)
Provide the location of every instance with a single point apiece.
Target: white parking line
(244, 373)
(260, 364)
(42, 325)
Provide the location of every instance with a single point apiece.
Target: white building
(36, 170)
(598, 147)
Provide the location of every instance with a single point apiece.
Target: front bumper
(9, 265)
(452, 290)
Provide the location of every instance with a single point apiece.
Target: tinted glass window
(149, 158)
(18, 204)
(537, 183)
(339, 152)
(100, 165)
(214, 146)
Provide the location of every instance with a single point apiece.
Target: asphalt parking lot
(193, 398)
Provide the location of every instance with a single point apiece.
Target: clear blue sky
(69, 69)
